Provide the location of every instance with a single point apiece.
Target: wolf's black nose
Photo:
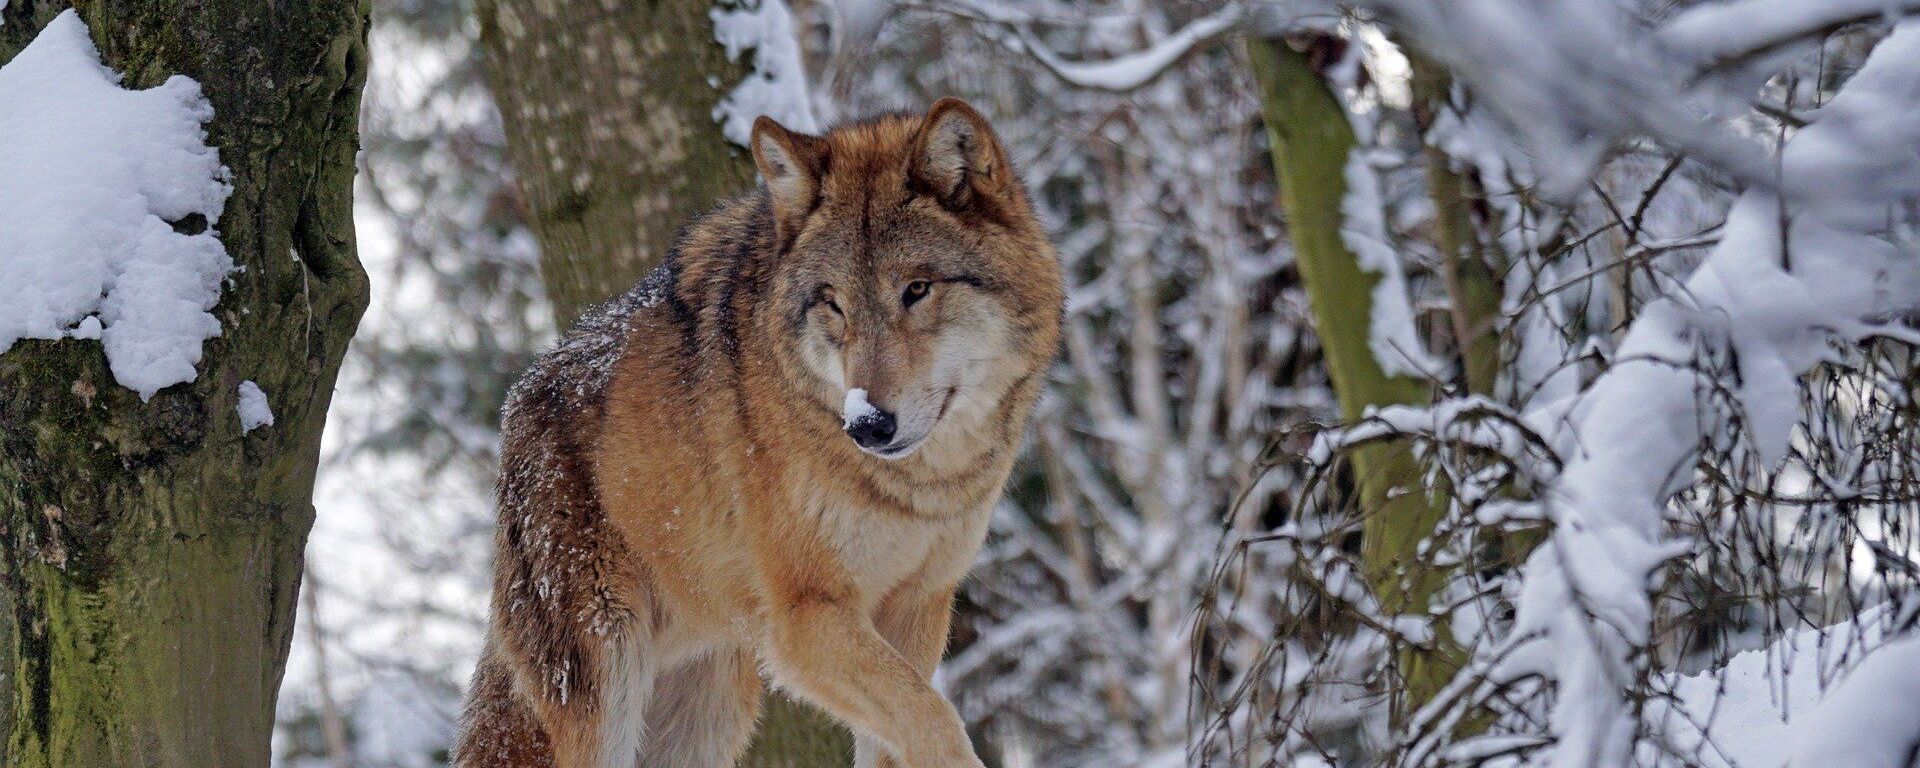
(873, 429)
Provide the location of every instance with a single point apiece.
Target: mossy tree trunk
(152, 552)
(609, 118)
(1311, 138)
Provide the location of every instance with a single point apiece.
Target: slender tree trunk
(1471, 262)
(1467, 263)
(609, 116)
(1311, 139)
(333, 725)
(152, 551)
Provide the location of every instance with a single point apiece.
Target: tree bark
(609, 116)
(1311, 139)
(152, 551)
(609, 119)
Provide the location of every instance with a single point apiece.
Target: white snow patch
(90, 175)
(1394, 339)
(777, 85)
(856, 408)
(254, 411)
(1800, 693)
(1872, 719)
(87, 329)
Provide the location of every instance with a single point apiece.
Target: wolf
(777, 456)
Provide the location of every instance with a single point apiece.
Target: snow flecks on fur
(856, 409)
(94, 180)
(554, 555)
(254, 411)
(584, 357)
(498, 729)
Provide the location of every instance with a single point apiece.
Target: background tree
(152, 552)
(609, 115)
(610, 123)
(1313, 145)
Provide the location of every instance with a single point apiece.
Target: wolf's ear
(791, 163)
(956, 157)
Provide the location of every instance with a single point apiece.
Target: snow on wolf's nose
(869, 426)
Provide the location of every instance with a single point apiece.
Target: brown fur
(679, 502)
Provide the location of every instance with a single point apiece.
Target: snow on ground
(91, 175)
(1872, 720)
(1834, 695)
(777, 85)
(254, 411)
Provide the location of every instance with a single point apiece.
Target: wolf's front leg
(916, 621)
(830, 653)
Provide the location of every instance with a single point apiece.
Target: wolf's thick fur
(681, 505)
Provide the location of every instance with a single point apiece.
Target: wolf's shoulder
(571, 377)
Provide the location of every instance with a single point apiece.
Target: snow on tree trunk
(153, 549)
(622, 149)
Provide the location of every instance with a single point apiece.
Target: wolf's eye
(916, 291)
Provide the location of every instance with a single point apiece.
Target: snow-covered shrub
(1704, 439)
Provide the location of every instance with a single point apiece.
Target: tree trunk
(795, 735)
(609, 121)
(609, 117)
(1311, 139)
(152, 552)
(1468, 263)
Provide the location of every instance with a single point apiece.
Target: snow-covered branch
(1716, 34)
(1130, 71)
(1823, 260)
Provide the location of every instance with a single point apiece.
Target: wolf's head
(912, 270)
